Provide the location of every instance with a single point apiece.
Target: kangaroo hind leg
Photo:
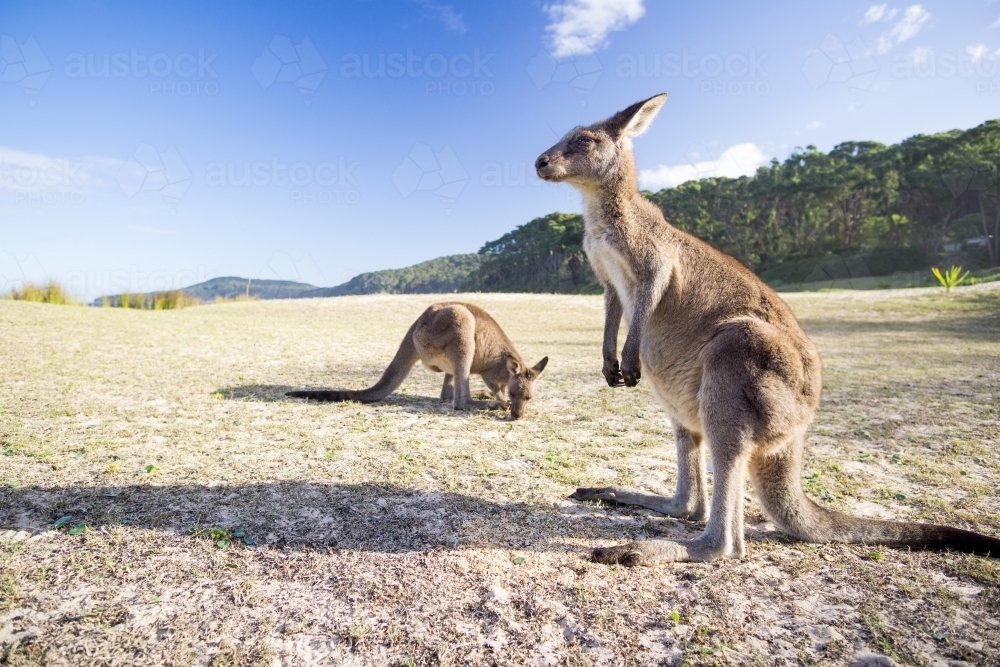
(720, 537)
(740, 407)
(460, 351)
(691, 499)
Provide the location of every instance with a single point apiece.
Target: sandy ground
(204, 519)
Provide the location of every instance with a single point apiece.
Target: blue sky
(150, 146)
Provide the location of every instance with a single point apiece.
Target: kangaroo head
(519, 384)
(588, 157)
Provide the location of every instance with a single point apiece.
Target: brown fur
(460, 340)
(723, 355)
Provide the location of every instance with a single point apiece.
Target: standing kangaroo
(458, 339)
(722, 353)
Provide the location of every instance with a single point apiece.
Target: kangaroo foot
(652, 552)
(682, 508)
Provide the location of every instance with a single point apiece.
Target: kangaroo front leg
(718, 539)
(448, 388)
(690, 501)
(612, 321)
(648, 291)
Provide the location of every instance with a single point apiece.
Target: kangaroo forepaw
(612, 373)
(631, 367)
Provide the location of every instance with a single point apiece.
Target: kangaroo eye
(584, 141)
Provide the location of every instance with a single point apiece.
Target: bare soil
(212, 521)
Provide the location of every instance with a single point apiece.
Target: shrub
(950, 278)
(171, 300)
(51, 292)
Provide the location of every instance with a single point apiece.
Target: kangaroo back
(398, 369)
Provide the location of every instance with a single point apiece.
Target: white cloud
(878, 13)
(581, 27)
(34, 172)
(920, 55)
(906, 28)
(995, 24)
(815, 125)
(910, 24)
(736, 161)
(977, 52)
(451, 19)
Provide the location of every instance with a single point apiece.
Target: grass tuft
(50, 292)
(171, 300)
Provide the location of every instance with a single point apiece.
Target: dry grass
(170, 300)
(50, 292)
(405, 533)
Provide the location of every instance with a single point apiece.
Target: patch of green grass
(10, 592)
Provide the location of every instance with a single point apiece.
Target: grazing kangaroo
(722, 353)
(458, 339)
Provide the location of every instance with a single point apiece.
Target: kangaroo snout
(546, 170)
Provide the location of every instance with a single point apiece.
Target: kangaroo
(458, 339)
(723, 354)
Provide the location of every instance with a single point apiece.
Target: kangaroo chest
(611, 268)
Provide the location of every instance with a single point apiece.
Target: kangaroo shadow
(265, 393)
(270, 393)
(308, 515)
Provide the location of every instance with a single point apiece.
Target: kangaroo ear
(636, 119)
(540, 366)
(513, 366)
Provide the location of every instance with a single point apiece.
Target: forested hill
(230, 287)
(923, 193)
(437, 276)
(862, 209)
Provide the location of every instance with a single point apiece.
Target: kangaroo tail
(850, 529)
(393, 376)
(778, 482)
